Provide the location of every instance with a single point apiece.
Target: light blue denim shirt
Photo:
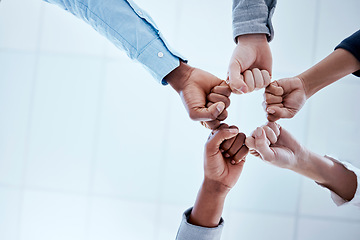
(130, 28)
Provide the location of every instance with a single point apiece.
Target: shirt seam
(144, 48)
(87, 8)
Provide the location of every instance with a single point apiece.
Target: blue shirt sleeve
(352, 44)
(188, 231)
(129, 28)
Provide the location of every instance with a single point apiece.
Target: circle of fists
(282, 99)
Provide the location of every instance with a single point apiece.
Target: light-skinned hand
(250, 66)
(275, 145)
(284, 98)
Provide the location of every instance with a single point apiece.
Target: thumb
(262, 145)
(236, 79)
(207, 114)
(218, 137)
(280, 112)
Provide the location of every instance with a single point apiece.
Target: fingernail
(226, 155)
(258, 132)
(233, 130)
(240, 90)
(233, 162)
(270, 110)
(220, 107)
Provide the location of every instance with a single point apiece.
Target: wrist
(305, 84)
(215, 188)
(251, 38)
(178, 77)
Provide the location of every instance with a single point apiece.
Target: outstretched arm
(295, 91)
(131, 29)
(277, 146)
(220, 175)
(250, 66)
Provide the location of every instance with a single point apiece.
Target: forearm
(329, 174)
(335, 66)
(129, 28)
(209, 204)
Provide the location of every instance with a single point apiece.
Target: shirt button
(160, 54)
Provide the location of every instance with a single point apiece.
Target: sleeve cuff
(188, 231)
(158, 60)
(356, 199)
(253, 20)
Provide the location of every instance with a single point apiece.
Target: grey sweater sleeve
(253, 16)
(188, 231)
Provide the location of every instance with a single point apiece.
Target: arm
(277, 146)
(131, 29)
(251, 63)
(337, 65)
(250, 17)
(295, 91)
(221, 174)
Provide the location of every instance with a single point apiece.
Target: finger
(261, 145)
(215, 97)
(222, 116)
(267, 78)
(265, 106)
(207, 114)
(272, 99)
(226, 145)
(237, 144)
(219, 136)
(241, 154)
(272, 118)
(274, 89)
(211, 124)
(250, 142)
(258, 78)
(223, 90)
(275, 127)
(254, 153)
(249, 80)
(213, 132)
(280, 112)
(236, 80)
(270, 134)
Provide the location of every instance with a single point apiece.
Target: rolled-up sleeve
(352, 45)
(129, 28)
(253, 16)
(188, 231)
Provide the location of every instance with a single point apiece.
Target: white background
(91, 147)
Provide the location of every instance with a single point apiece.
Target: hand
(193, 86)
(277, 146)
(219, 93)
(284, 98)
(251, 63)
(225, 154)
